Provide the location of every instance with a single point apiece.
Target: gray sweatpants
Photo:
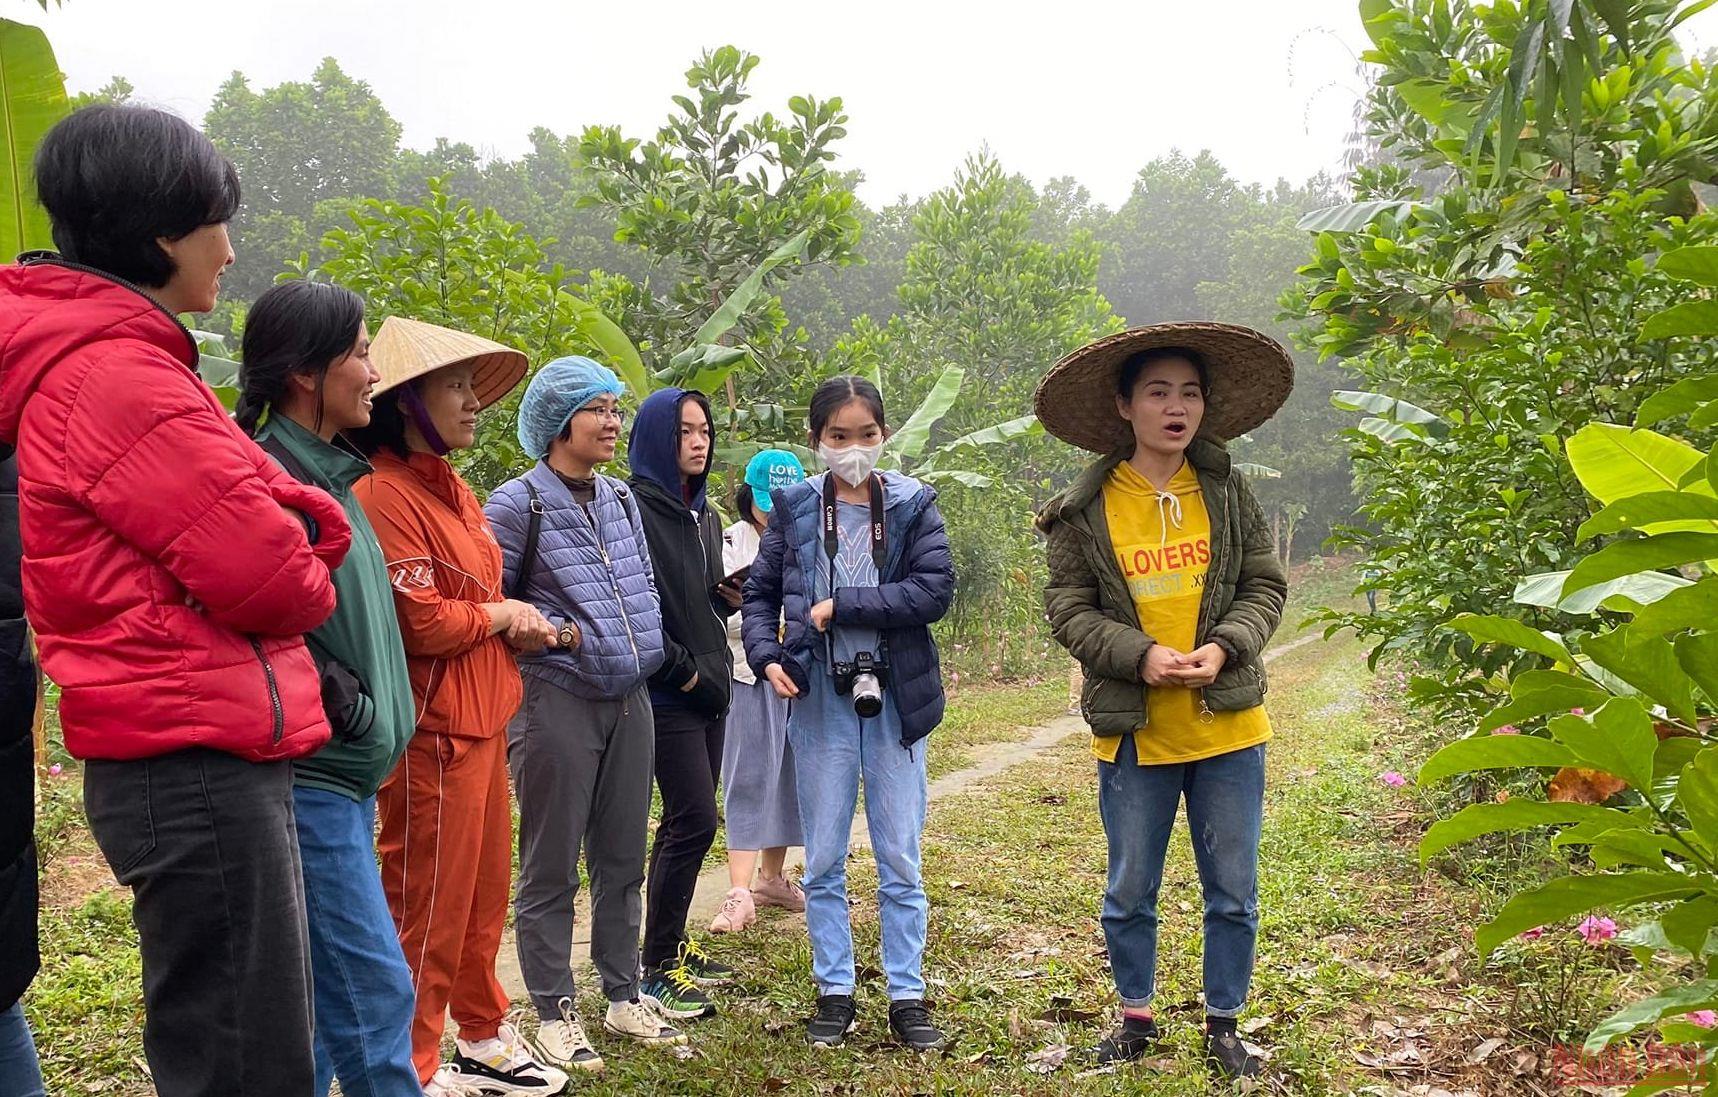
(582, 772)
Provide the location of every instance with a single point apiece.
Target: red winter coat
(167, 587)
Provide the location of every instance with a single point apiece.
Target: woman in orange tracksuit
(446, 826)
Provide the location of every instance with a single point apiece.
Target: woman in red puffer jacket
(170, 569)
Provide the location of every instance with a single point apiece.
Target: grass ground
(1365, 983)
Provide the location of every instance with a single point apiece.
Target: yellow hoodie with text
(1162, 541)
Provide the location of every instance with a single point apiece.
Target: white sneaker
(638, 1021)
(504, 1065)
(448, 1082)
(562, 1043)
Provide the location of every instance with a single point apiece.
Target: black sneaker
(910, 1021)
(1226, 1055)
(704, 969)
(832, 1022)
(1132, 1040)
(672, 993)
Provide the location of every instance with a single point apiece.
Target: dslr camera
(863, 679)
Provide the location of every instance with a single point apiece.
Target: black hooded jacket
(685, 539)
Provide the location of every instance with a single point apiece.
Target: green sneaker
(674, 994)
(705, 970)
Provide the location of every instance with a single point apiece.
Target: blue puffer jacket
(917, 589)
(596, 576)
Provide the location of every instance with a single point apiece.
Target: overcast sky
(1073, 87)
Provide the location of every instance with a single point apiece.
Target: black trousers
(688, 761)
(208, 845)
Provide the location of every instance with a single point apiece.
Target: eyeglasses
(617, 414)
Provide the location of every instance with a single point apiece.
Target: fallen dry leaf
(1484, 1050)
(1574, 785)
(1048, 1060)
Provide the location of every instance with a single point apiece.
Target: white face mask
(852, 464)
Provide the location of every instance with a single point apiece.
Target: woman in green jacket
(1165, 587)
(306, 377)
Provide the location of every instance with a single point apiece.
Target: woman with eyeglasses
(582, 746)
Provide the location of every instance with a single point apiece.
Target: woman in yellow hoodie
(1165, 586)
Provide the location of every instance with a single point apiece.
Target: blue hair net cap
(560, 388)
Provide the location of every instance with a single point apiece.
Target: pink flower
(1506, 729)
(1393, 779)
(1705, 1018)
(54, 770)
(1533, 934)
(1595, 930)
(1577, 712)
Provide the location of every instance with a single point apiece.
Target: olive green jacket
(1092, 613)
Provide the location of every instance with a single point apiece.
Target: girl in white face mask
(858, 563)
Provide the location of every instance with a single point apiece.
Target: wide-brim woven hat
(1251, 377)
(404, 349)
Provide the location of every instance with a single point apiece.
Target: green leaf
(1701, 994)
(909, 442)
(1697, 794)
(1693, 264)
(1537, 693)
(1390, 408)
(956, 476)
(1689, 923)
(32, 99)
(218, 372)
(1495, 752)
(1664, 550)
(1507, 630)
(1690, 607)
(1614, 462)
(1354, 216)
(1698, 657)
(1646, 663)
(1426, 98)
(729, 312)
(1687, 395)
(1690, 318)
(1023, 427)
(1654, 512)
(1514, 814)
(1375, 15)
(1546, 589)
(1257, 472)
(618, 351)
(1570, 895)
(1618, 739)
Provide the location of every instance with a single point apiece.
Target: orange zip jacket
(445, 566)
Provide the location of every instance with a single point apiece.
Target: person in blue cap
(581, 748)
(760, 803)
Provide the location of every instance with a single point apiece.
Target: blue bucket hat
(560, 388)
(771, 469)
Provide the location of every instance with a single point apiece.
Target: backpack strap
(285, 458)
(533, 533)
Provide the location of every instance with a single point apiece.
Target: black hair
(1136, 364)
(387, 429)
(115, 179)
(836, 393)
(296, 327)
(743, 497)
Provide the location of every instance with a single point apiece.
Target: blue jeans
(1225, 809)
(20, 1073)
(362, 986)
(830, 755)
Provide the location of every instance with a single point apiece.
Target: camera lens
(867, 695)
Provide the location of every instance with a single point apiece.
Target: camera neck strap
(832, 528)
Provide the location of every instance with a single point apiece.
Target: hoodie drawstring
(1168, 510)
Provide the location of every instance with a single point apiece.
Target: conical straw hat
(404, 349)
(1251, 377)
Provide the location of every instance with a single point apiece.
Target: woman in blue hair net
(581, 748)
